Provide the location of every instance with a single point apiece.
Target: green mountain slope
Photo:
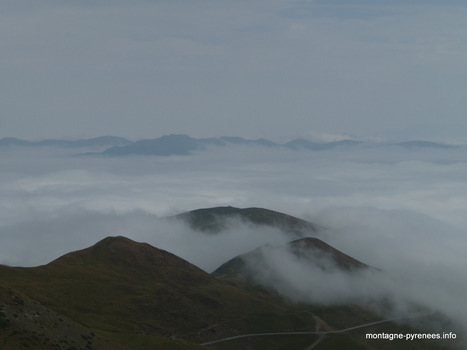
(126, 290)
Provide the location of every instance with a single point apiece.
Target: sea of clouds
(401, 211)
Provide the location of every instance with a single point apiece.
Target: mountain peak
(123, 256)
(112, 242)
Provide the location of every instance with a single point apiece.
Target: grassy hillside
(124, 290)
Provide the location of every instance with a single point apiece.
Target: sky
(277, 69)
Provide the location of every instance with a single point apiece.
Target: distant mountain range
(176, 144)
(103, 141)
(120, 294)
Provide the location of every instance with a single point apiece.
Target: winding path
(322, 334)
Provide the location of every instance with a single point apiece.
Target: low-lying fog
(403, 211)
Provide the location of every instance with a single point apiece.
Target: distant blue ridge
(180, 144)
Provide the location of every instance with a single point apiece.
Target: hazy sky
(265, 68)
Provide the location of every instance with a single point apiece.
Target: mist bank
(425, 181)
